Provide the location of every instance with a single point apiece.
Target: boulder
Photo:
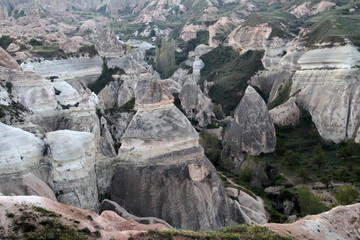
(251, 131)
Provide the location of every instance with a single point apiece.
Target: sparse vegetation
(346, 194)
(230, 72)
(105, 77)
(242, 232)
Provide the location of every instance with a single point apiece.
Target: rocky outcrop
(7, 61)
(66, 69)
(174, 180)
(107, 225)
(330, 95)
(339, 57)
(339, 223)
(251, 131)
(251, 207)
(30, 89)
(287, 114)
(113, 206)
(72, 156)
(246, 38)
(107, 44)
(195, 104)
(305, 9)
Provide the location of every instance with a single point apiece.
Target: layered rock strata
(174, 180)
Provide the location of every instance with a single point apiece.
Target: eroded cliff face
(251, 131)
(174, 179)
(327, 86)
(107, 225)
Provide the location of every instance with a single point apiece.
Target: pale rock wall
(331, 97)
(32, 90)
(72, 155)
(20, 151)
(338, 57)
(66, 69)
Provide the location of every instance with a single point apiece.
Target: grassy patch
(48, 52)
(230, 72)
(242, 232)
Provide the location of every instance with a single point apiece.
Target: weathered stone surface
(339, 223)
(252, 130)
(246, 38)
(65, 69)
(65, 93)
(108, 45)
(175, 181)
(173, 192)
(108, 224)
(287, 114)
(72, 155)
(7, 61)
(339, 57)
(253, 208)
(21, 151)
(195, 104)
(113, 206)
(332, 99)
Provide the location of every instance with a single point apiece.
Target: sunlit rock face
(174, 180)
(251, 131)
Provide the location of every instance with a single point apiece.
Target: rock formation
(72, 156)
(79, 222)
(195, 104)
(7, 61)
(251, 131)
(108, 45)
(339, 223)
(174, 180)
(287, 114)
(330, 95)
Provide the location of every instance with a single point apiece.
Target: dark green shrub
(346, 195)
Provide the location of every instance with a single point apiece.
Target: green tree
(292, 158)
(303, 174)
(309, 203)
(165, 62)
(340, 173)
(346, 195)
(318, 156)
